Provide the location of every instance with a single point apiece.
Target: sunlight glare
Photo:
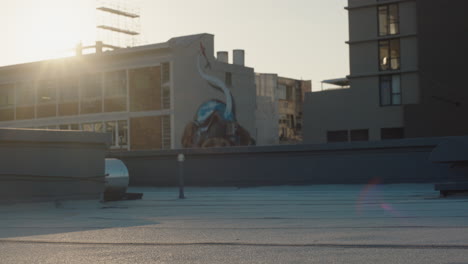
(54, 29)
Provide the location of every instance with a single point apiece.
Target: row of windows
(137, 133)
(144, 89)
(118, 129)
(91, 86)
(345, 135)
(389, 24)
(389, 55)
(363, 135)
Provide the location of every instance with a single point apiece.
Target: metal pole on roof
(180, 163)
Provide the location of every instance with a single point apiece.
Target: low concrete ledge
(44, 165)
(392, 161)
(404, 144)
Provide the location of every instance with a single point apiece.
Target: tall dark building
(407, 73)
(443, 71)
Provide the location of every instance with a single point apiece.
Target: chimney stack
(223, 56)
(239, 57)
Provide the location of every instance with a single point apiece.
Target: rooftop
(320, 224)
(176, 41)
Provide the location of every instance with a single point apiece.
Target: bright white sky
(296, 38)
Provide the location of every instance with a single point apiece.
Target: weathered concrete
(394, 161)
(40, 165)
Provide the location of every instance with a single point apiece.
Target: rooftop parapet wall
(393, 161)
(40, 165)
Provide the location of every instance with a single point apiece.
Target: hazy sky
(296, 38)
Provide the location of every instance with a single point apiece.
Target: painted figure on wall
(215, 123)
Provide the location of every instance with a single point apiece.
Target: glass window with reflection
(282, 91)
(119, 132)
(115, 84)
(68, 89)
(74, 127)
(88, 127)
(47, 91)
(122, 132)
(389, 20)
(165, 72)
(7, 95)
(389, 54)
(390, 90)
(91, 86)
(111, 128)
(25, 93)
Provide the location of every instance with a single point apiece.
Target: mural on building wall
(215, 123)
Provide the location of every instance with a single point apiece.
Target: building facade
(146, 96)
(402, 53)
(279, 109)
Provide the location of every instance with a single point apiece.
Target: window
(289, 93)
(91, 94)
(389, 54)
(7, 95)
(392, 133)
(111, 127)
(291, 123)
(145, 89)
(91, 87)
(337, 136)
(68, 90)
(88, 127)
(166, 88)
(25, 93)
(115, 91)
(166, 97)
(47, 91)
(165, 72)
(115, 84)
(282, 91)
(283, 119)
(69, 127)
(98, 127)
(389, 23)
(359, 135)
(166, 132)
(390, 90)
(122, 132)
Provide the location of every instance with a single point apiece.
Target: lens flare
(371, 197)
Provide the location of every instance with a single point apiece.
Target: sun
(53, 28)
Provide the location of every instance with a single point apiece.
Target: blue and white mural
(215, 123)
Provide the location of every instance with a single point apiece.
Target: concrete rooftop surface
(306, 224)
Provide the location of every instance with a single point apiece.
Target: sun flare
(53, 29)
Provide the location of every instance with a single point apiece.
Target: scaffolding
(118, 24)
